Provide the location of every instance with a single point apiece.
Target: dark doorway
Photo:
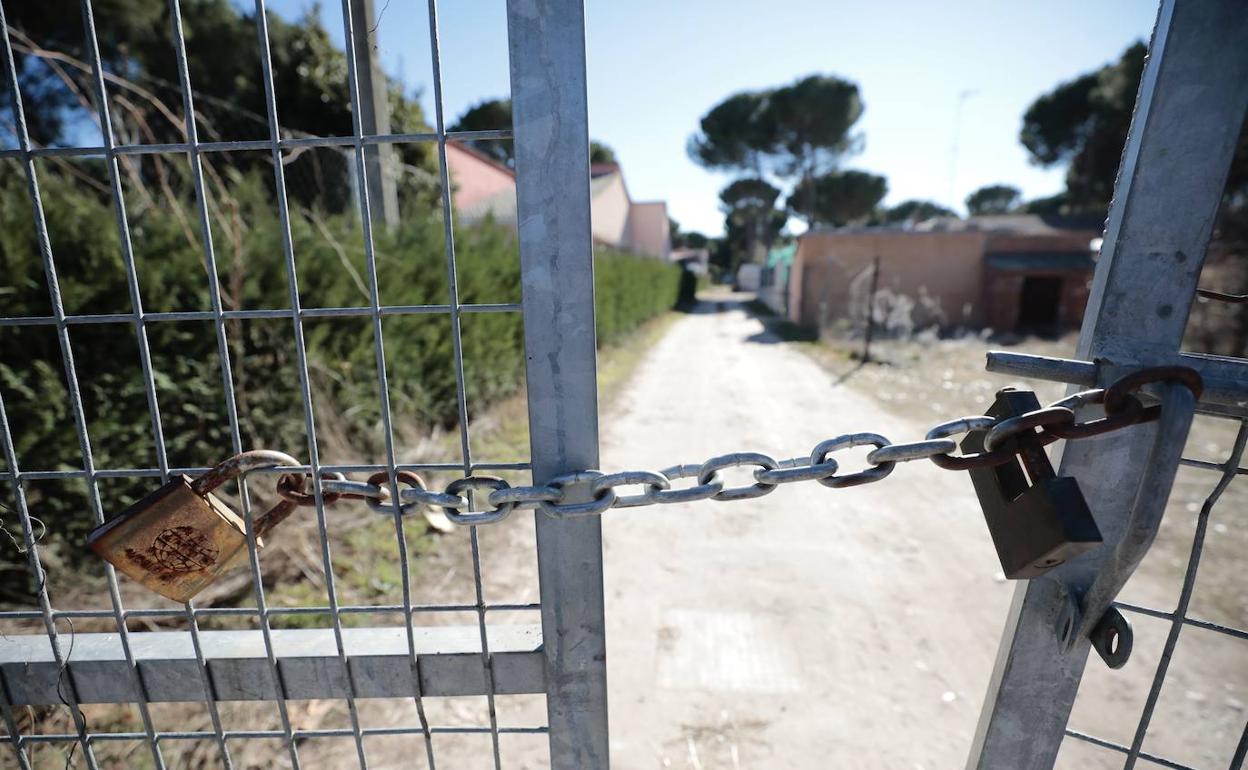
(1039, 303)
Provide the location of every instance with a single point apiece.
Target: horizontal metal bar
(248, 612)
(1207, 625)
(329, 732)
(1207, 465)
(1049, 368)
(246, 145)
(482, 135)
(1107, 744)
(138, 473)
(308, 663)
(1226, 379)
(264, 313)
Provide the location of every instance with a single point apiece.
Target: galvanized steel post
(1187, 120)
(550, 124)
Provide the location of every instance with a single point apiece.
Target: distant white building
(483, 188)
(619, 221)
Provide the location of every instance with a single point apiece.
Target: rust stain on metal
(174, 541)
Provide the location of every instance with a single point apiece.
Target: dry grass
(366, 571)
(931, 380)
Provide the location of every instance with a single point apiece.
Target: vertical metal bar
(1241, 750)
(71, 382)
(123, 234)
(1185, 595)
(448, 234)
(283, 213)
(549, 110)
(214, 294)
(457, 345)
(16, 739)
(1174, 167)
(140, 331)
(379, 352)
(262, 606)
(301, 356)
(487, 658)
(37, 572)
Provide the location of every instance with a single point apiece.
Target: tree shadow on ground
(777, 329)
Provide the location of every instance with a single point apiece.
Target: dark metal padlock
(1037, 520)
(180, 538)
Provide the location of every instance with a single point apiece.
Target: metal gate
(1181, 142)
(563, 659)
(1184, 132)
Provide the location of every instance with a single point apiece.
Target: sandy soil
(818, 628)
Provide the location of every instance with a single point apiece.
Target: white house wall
(649, 232)
(609, 210)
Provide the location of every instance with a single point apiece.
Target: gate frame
(567, 663)
(546, 41)
(1182, 138)
(1172, 176)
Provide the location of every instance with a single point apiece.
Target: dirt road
(852, 628)
(811, 628)
(857, 628)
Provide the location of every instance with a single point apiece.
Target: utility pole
(953, 150)
(381, 169)
(875, 282)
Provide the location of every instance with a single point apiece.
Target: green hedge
(628, 290)
(248, 242)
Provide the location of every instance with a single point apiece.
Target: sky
(656, 66)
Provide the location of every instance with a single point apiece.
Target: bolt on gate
(1181, 141)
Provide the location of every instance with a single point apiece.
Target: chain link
(497, 513)
(796, 469)
(1048, 417)
(596, 492)
(704, 490)
(711, 468)
(653, 481)
(965, 462)
(601, 501)
(1131, 413)
(877, 471)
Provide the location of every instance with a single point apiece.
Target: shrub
(341, 359)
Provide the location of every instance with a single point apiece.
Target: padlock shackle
(240, 465)
(264, 523)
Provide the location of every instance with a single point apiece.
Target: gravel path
(811, 628)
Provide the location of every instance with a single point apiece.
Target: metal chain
(1056, 421)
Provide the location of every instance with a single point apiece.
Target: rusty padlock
(181, 537)
(1037, 519)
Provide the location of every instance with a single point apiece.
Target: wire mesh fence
(1183, 700)
(371, 646)
(1141, 294)
(137, 169)
(1199, 721)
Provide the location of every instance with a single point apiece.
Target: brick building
(1009, 273)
